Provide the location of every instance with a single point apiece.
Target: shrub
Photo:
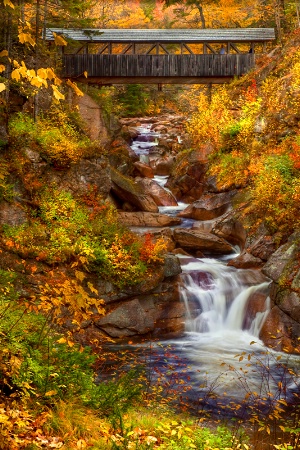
(65, 231)
(58, 139)
(134, 100)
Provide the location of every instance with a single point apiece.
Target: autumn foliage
(235, 123)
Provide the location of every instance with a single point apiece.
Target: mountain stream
(220, 357)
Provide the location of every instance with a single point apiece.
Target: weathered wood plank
(172, 35)
(131, 65)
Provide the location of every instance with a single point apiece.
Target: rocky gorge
(127, 178)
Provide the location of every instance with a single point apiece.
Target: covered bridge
(156, 56)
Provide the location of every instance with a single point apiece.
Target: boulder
(156, 313)
(246, 261)
(166, 235)
(187, 180)
(92, 116)
(144, 169)
(127, 190)
(280, 331)
(79, 178)
(284, 321)
(121, 156)
(263, 246)
(230, 229)
(209, 206)
(193, 240)
(282, 266)
(12, 214)
(162, 165)
(128, 319)
(171, 266)
(256, 304)
(161, 196)
(147, 219)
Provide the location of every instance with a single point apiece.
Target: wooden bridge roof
(172, 35)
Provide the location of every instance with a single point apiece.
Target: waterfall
(217, 297)
(220, 355)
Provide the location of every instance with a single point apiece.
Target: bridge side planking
(209, 65)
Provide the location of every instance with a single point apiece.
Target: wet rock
(230, 229)
(162, 166)
(257, 303)
(133, 122)
(209, 206)
(158, 313)
(160, 195)
(187, 181)
(147, 219)
(246, 261)
(193, 240)
(263, 247)
(171, 266)
(281, 331)
(160, 128)
(283, 268)
(144, 169)
(127, 190)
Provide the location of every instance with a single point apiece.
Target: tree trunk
(202, 18)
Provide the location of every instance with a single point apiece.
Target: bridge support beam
(152, 80)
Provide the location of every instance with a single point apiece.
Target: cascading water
(216, 297)
(223, 358)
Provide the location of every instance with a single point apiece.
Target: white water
(225, 359)
(220, 299)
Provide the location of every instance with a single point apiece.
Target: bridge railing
(120, 65)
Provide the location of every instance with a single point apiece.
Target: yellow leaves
(58, 95)
(37, 79)
(26, 38)
(59, 40)
(75, 88)
(15, 75)
(3, 53)
(44, 74)
(2, 87)
(92, 288)
(9, 3)
(69, 293)
(79, 275)
(4, 417)
(50, 393)
(85, 74)
(50, 74)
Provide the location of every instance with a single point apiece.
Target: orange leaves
(295, 154)
(251, 92)
(152, 251)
